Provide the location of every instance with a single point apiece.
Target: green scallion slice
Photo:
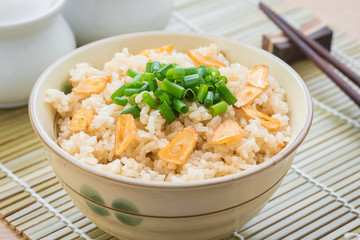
(164, 70)
(223, 79)
(191, 80)
(189, 95)
(147, 77)
(167, 112)
(190, 70)
(149, 100)
(148, 67)
(180, 106)
(172, 89)
(202, 92)
(163, 96)
(132, 99)
(155, 67)
(119, 92)
(133, 110)
(131, 73)
(209, 98)
(217, 97)
(130, 91)
(202, 70)
(153, 84)
(225, 93)
(175, 73)
(120, 101)
(145, 87)
(218, 108)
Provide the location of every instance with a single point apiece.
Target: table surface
(334, 12)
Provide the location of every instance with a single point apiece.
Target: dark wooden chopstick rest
(316, 56)
(281, 46)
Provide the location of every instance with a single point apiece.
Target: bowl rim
(50, 143)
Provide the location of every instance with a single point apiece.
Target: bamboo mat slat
(318, 199)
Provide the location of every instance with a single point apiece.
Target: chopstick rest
(281, 46)
(297, 39)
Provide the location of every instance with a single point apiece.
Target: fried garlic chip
(180, 147)
(200, 59)
(81, 120)
(125, 132)
(227, 131)
(147, 52)
(90, 86)
(265, 120)
(258, 76)
(246, 95)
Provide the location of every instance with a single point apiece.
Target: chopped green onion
(207, 78)
(164, 70)
(148, 67)
(147, 76)
(172, 88)
(211, 87)
(191, 80)
(218, 108)
(202, 70)
(217, 97)
(132, 99)
(153, 84)
(149, 100)
(130, 91)
(175, 73)
(190, 70)
(119, 92)
(211, 69)
(196, 89)
(223, 79)
(189, 95)
(163, 96)
(131, 73)
(137, 80)
(215, 74)
(180, 106)
(133, 110)
(225, 93)
(120, 101)
(145, 87)
(208, 100)
(167, 112)
(177, 114)
(202, 92)
(155, 67)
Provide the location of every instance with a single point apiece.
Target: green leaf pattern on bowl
(121, 204)
(92, 194)
(127, 206)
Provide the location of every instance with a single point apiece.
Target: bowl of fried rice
(163, 135)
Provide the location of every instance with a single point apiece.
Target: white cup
(92, 20)
(32, 35)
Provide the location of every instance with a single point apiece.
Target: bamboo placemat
(318, 199)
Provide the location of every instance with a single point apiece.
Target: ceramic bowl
(137, 209)
(96, 19)
(32, 36)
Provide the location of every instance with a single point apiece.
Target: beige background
(342, 14)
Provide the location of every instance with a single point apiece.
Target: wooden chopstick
(312, 54)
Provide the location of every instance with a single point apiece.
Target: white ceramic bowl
(96, 19)
(32, 36)
(137, 209)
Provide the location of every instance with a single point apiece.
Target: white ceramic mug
(32, 36)
(92, 20)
